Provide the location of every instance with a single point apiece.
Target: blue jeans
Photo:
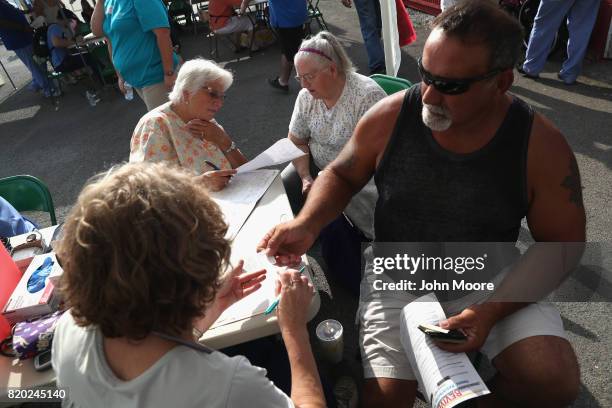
(341, 250)
(39, 77)
(581, 15)
(340, 241)
(371, 30)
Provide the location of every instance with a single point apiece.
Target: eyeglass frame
(214, 94)
(430, 79)
(310, 76)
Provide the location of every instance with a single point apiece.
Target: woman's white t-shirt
(183, 377)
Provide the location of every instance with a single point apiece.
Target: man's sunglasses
(450, 86)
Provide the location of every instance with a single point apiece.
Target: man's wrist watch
(34, 240)
(231, 148)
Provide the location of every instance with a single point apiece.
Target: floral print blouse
(161, 135)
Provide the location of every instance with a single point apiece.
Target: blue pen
(211, 164)
(274, 304)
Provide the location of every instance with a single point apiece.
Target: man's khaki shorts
(383, 354)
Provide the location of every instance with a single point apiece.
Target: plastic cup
(329, 332)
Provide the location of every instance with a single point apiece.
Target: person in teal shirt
(138, 37)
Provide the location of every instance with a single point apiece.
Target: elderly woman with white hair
(333, 99)
(184, 132)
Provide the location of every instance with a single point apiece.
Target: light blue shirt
(11, 222)
(57, 53)
(129, 26)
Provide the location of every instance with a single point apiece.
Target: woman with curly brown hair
(142, 253)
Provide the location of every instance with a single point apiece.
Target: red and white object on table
(9, 278)
(35, 294)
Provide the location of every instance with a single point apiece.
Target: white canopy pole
(393, 55)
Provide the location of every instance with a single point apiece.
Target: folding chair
(104, 65)
(52, 74)
(82, 29)
(214, 37)
(180, 10)
(197, 7)
(27, 193)
(391, 84)
(314, 13)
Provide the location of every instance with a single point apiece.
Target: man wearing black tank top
(457, 158)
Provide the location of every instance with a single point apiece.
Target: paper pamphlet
(280, 152)
(239, 198)
(447, 379)
(257, 302)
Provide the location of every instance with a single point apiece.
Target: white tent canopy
(393, 55)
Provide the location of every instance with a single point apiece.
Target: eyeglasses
(309, 77)
(214, 94)
(450, 86)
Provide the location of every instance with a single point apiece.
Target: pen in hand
(211, 164)
(274, 304)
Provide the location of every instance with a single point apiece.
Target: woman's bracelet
(231, 148)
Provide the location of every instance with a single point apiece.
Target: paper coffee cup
(329, 332)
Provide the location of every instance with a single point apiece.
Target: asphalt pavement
(64, 145)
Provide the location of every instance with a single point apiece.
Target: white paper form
(239, 198)
(447, 378)
(280, 152)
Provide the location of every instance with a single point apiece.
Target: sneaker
(566, 82)
(527, 74)
(345, 392)
(275, 83)
(92, 98)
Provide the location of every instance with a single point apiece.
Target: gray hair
(325, 48)
(196, 74)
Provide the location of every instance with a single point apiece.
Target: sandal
(274, 83)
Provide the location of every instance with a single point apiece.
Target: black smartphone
(440, 334)
(42, 361)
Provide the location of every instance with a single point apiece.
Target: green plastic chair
(82, 29)
(391, 84)
(27, 193)
(103, 63)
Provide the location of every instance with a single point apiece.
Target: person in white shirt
(142, 253)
